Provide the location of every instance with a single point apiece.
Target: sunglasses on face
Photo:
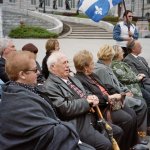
(33, 70)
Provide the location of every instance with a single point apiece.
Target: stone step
(90, 34)
(87, 37)
(89, 30)
(85, 26)
(81, 31)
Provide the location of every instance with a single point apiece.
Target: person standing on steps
(124, 31)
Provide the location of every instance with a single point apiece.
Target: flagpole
(128, 25)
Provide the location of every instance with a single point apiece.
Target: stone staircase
(82, 31)
(74, 30)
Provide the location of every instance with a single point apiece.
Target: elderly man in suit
(72, 102)
(137, 63)
(140, 66)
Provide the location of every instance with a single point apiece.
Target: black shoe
(144, 141)
(148, 131)
(140, 147)
(142, 138)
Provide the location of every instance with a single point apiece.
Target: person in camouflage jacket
(129, 78)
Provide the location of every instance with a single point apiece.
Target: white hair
(3, 44)
(54, 58)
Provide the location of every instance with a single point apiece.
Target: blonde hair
(18, 61)
(51, 45)
(82, 59)
(106, 52)
(117, 50)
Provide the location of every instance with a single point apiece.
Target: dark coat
(28, 122)
(137, 66)
(118, 117)
(92, 87)
(67, 102)
(72, 108)
(3, 75)
(40, 78)
(45, 71)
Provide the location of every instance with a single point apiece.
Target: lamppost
(142, 9)
(44, 6)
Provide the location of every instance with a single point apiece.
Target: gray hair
(3, 44)
(54, 58)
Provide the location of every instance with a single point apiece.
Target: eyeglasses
(35, 52)
(34, 70)
(130, 16)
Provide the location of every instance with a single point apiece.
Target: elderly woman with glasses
(84, 65)
(28, 121)
(33, 49)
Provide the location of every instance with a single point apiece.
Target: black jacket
(90, 86)
(137, 66)
(28, 122)
(3, 75)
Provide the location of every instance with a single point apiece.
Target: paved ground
(71, 46)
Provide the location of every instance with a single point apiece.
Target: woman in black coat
(51, 46)
(124, 117)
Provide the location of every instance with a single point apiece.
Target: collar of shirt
(134, 55)
(125, 23)
(65, 80)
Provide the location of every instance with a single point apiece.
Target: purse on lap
(117, 104)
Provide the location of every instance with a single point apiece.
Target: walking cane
(108, 129)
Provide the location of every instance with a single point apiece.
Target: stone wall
(12, 18)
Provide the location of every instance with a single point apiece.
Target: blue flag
(97, 9)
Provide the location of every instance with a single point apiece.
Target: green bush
(25, 31)
(111, 19)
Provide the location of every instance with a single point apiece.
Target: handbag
(114, 105)
(117, 104)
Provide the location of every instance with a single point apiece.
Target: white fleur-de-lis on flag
(98, 10)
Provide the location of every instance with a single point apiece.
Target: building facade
(34, 4)
(135, 5)
(140, 8)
